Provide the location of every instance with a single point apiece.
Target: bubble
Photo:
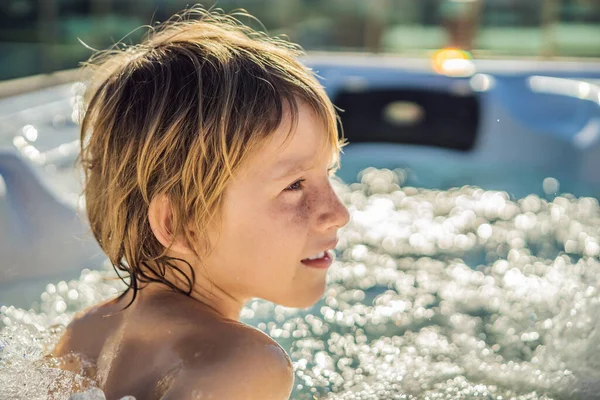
(551, 186)
(441, 294)
(484, 231)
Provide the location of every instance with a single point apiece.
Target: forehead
(306, 145)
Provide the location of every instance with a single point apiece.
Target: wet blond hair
(177, 115)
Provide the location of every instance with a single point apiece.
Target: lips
(320, 253)
(322, 258)
(319, 263)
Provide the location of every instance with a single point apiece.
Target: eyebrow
(287, 167)
(292, 166)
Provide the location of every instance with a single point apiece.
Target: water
(436, 294)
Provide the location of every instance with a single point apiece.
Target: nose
(334, 213)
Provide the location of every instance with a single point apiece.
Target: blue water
(462, 293)
(455, 278)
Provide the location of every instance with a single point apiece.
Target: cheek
(302, 212)
(295, 213)
(283, 227)
(274, 230)
(263, 229)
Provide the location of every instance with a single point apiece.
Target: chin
(302, 298)
(299, 303)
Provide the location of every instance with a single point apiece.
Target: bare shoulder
(85, 332)
(239, 362)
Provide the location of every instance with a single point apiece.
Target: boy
(207, 151)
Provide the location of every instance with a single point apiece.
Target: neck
(217, 299)
(208, 294)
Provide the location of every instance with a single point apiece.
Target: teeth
(320, 255)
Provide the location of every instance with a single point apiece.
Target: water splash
(436, 294)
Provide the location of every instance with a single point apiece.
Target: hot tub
(468, 270)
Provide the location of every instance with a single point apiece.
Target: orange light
(452, 61)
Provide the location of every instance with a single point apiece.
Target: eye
(295, 186)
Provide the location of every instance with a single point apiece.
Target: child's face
(270, 221)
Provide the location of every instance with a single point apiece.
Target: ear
(160, 217)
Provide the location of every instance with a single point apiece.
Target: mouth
(317, 256)
(322, 260)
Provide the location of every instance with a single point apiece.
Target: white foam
(463, 293)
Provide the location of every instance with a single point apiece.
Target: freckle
(302, 212)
